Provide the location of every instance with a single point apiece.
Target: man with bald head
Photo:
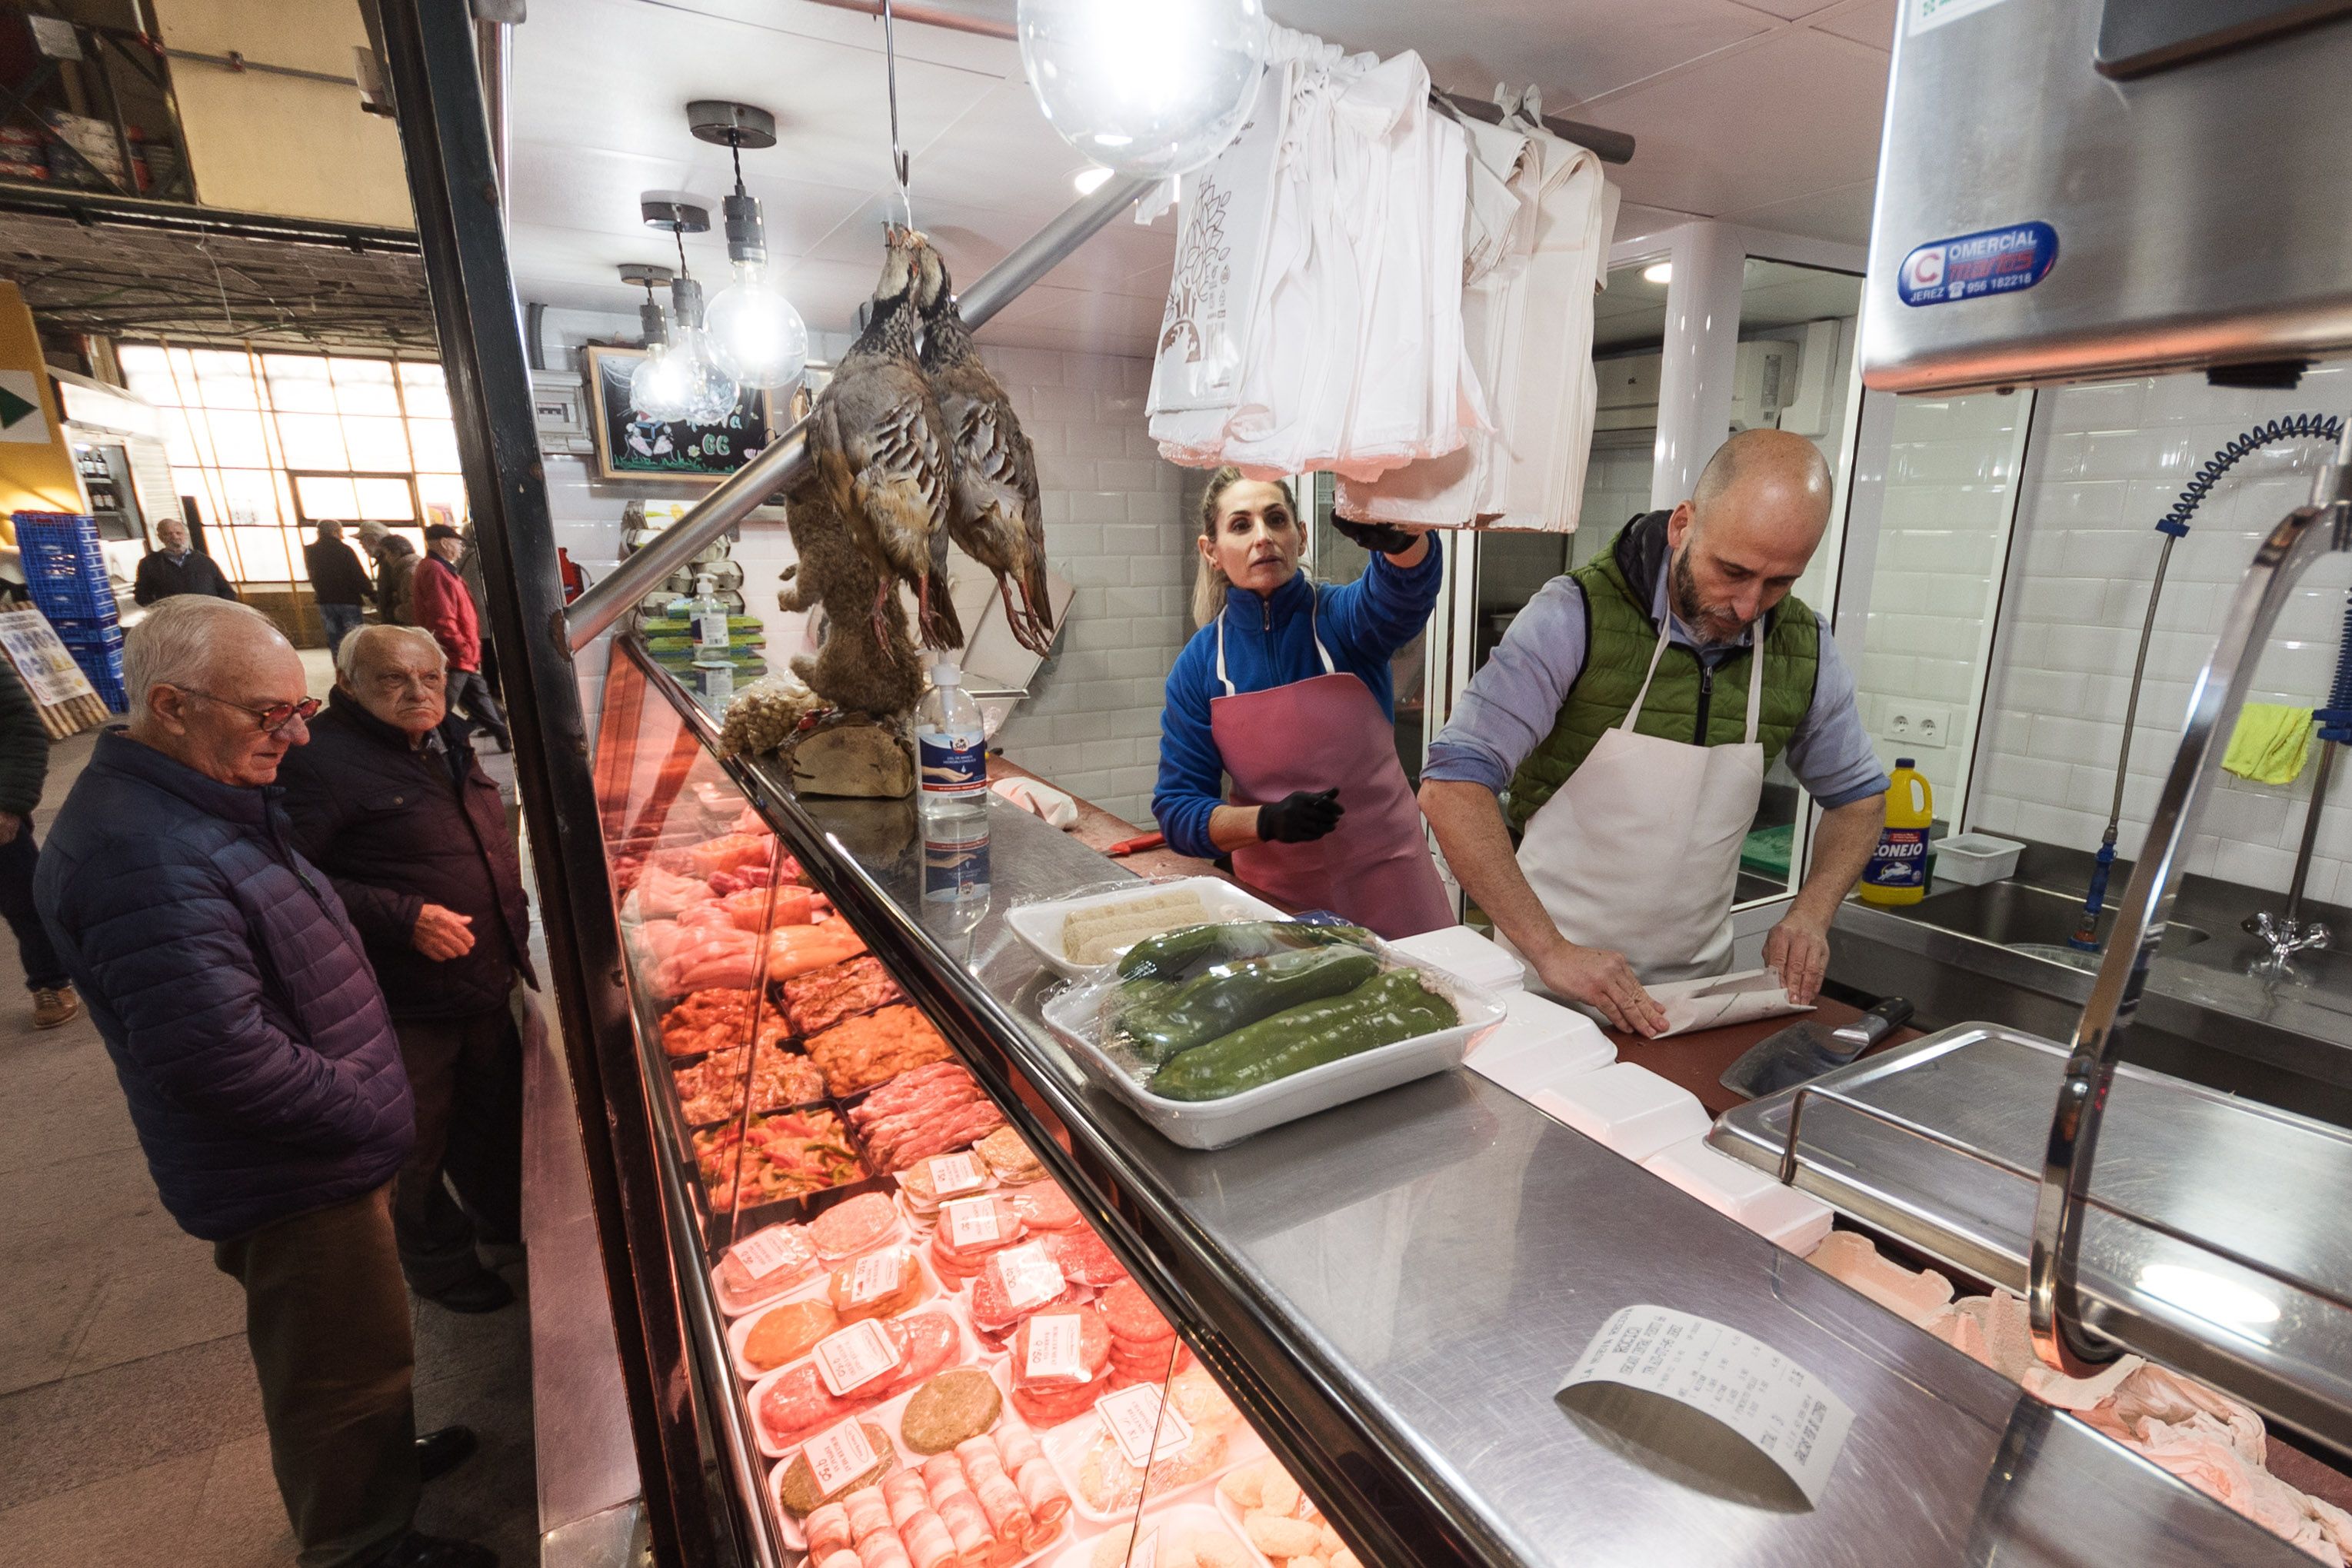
(262, 1071)
(1620, 734)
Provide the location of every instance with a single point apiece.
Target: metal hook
(898, 167)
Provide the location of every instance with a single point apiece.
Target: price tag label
(873, 1278)
(1057, 1349)
(838, 1456)
(855, 1356)
(769, 1251)
(1133, 1416)
(973, 1222)
(1784, 1411)
(1031, 1278)
(953, 1174)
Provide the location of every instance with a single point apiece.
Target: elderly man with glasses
(390, 801)
(261, 1068)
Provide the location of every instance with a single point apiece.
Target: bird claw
(1024, 624)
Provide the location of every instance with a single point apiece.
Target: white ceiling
(1762, 111)
(1632, 313)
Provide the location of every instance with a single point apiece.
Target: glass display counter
(952, 1303)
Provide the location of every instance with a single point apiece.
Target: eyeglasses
(274, 717)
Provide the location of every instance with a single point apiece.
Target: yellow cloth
(2269, 745)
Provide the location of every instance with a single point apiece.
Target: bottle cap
(944, 673)
(1906, 762)
(703, 582)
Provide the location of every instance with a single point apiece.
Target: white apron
(1639, 850)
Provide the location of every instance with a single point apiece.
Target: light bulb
(1659, 272)
(1089, 180)
(714, 396)
(755, 335)
(1151, 88)
(663, 385)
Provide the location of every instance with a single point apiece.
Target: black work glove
(1299, 817)
(1380, 538)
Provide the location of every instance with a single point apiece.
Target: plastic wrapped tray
(1075, 1016)
(1039, 925)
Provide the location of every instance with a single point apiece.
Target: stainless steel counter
(1394, 1290)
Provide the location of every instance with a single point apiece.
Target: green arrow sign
(14, 407)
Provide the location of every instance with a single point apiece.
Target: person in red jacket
(443, 607)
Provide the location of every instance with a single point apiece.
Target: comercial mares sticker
(1990, 261)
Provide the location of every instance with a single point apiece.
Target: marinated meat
(712, 1089)
(709, 1021)
(796, 950)
(786, 1155)
(906, 1121)
(788, 1332)
(861, 1052)
(823, 997)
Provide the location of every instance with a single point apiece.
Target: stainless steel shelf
(2213, 1241)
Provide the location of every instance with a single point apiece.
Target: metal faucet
(2288, 934)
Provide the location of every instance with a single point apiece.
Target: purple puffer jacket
(245, 1024)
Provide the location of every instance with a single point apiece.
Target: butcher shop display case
(949, 1302)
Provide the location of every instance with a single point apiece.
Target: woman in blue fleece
(1284, 690)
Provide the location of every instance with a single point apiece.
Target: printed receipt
(1787, 1413)
(952, 1174)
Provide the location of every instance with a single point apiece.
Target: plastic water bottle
(1897, 873)
(955, 874)
(707, 612)
(950, 750)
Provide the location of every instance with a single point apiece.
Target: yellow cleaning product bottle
(1897, 873)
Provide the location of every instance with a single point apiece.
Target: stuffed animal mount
(826, 751)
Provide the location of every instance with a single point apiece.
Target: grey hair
(173, 644)
(348, 657)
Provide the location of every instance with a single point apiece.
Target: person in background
(389, 801)
(176, 569)
(395, 561)
(262, 1071)
(24, 768)
(338, 582)
(444, 607)
(1286, 690)
(470, 567)
(1622, 730)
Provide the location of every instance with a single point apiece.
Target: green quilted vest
(1682, 698)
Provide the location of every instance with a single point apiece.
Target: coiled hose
(2173, 526)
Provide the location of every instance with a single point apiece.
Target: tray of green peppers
(1212, 1038)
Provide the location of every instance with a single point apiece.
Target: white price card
(855, 1356)
(971, 1222)
(1057, 1349)
(769, 1251)
(838, 1456)
(952, 1174)
(1786, 1413)
(1131, 1416)
(874, 1277)
(1031, 1278)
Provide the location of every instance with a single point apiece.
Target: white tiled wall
(2114, 456)
(1113, 528)
(1950, 479)
(1616, 488)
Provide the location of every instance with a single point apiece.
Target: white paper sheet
(1721, 1000)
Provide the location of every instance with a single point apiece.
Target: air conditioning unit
(1763, 384)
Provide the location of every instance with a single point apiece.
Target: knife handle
(1850, 1040)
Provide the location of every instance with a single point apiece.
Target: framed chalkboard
(628, 448)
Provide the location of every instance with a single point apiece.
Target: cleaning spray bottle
(1897, 873)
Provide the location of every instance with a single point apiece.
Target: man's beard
(1712, 625)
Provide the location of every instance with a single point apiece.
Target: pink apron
(1374, 868)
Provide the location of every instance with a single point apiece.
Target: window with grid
(271, 442)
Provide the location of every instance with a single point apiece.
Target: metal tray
(2213, 1240)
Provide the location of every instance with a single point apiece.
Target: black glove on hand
(1380, 538)
(1299, 817)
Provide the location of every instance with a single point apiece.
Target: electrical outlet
(1918, 724)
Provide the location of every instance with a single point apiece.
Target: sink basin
(2011, 914)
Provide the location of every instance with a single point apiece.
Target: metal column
(430, 57)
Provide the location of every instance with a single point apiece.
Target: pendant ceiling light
(660, 388)
(683, 376)
(1145, 86)
(754, 336)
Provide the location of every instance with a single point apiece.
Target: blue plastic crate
(80, 636)
(73, 602)
(60, 536)
(110, 692)
(96, 661)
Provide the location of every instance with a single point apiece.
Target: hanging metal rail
(783, 460)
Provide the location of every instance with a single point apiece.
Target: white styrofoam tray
(935, 1294)
(736, 1306)
(1782, 1214)
(1189, 1517)
(1540, 1045)
(969, 1352)
(1214, 1123)
(1039, 925)
(1459, 950)
(1627, 1108)
(1066, 1447)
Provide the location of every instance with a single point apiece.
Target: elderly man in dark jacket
(389, 800)
(262, 1071)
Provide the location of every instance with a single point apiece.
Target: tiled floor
(130, 1425)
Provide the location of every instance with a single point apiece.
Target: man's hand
(11, 825)
(1798, 950)
(1602, 979)
(442, 934)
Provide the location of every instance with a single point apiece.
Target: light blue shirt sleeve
(1512, 701)
(1830, 752)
